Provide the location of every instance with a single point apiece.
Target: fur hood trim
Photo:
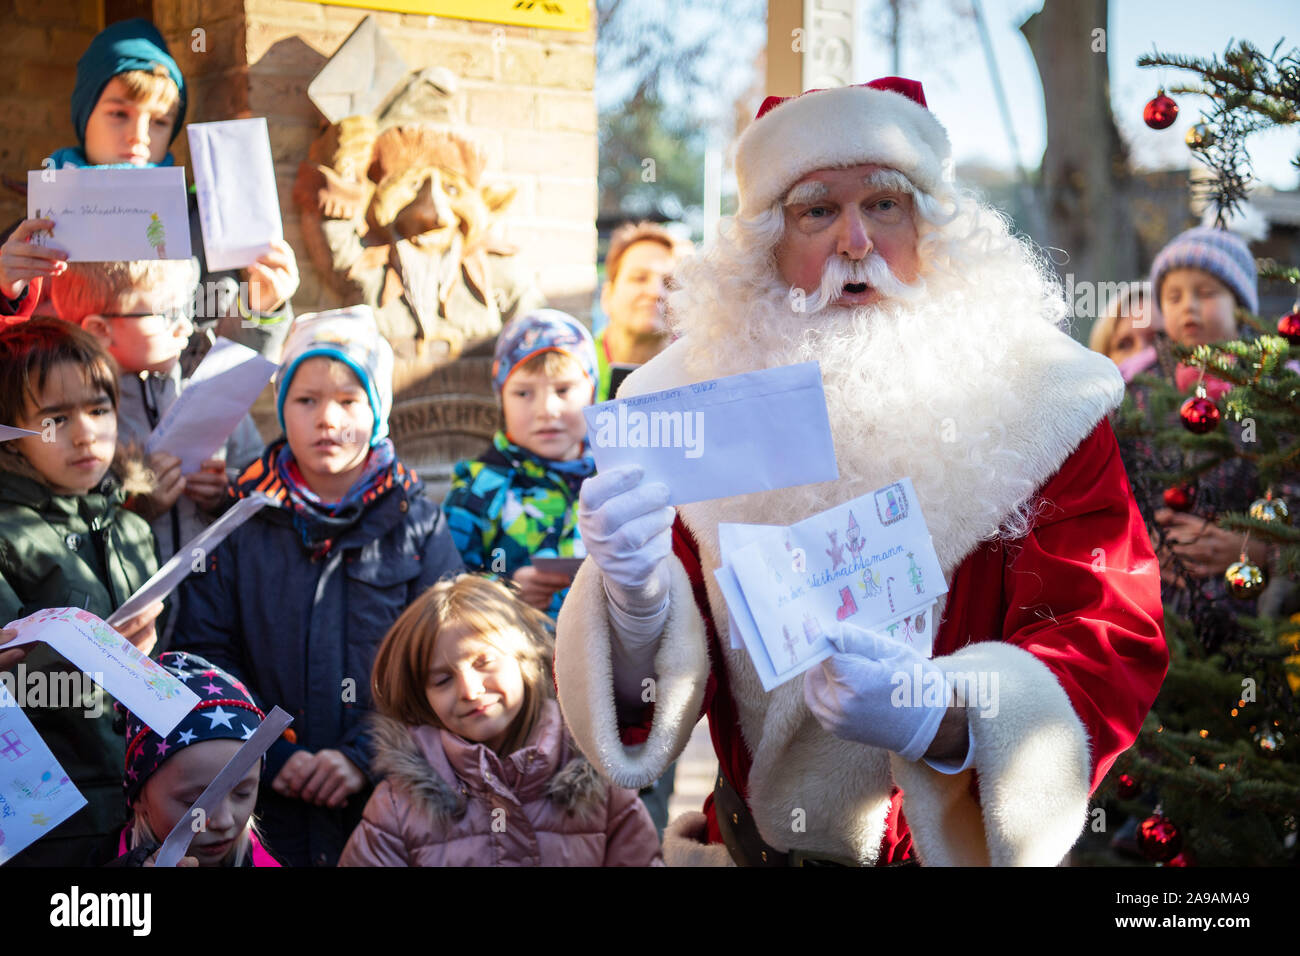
(405, 763)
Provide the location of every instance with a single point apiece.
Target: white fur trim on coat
(686, 843)
(835, 129)
(585, 678)
(1033, 763)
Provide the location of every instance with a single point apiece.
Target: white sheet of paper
(107, 215)
(217, 397)
(742, 619)
(114, 663)
(180, 564)
(36, 794)
(9, 432)
(234, 178)
(883, 567)
(566, 566)
(178, 841)
(727, 436)
(730, 538)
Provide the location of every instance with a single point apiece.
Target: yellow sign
(554, 14)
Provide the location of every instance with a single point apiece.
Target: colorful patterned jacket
(508, 506)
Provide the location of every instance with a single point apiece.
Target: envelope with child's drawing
(109, 215)
(870, 561)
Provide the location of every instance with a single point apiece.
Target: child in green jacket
(66, 541)
(519, 499)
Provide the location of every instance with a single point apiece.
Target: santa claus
(943, 360)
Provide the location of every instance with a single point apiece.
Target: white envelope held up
(219, 394)
(728, 436)
(108, 215)
(234, 177)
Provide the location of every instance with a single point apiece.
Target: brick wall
(526, 94)
(40, 44)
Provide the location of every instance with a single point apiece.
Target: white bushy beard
(918, 388)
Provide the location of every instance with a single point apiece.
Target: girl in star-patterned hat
(165, 775)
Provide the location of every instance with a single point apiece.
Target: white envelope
(110, 215)
(234, 178)
(728, 436)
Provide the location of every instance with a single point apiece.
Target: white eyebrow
(889, 179)
(805, 193)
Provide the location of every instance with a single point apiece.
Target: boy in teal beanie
(129, 101)
(128, 106)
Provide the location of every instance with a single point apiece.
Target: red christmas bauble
(1158, 839)
(1161, 112)
(1183, 859)
(1289, 326)
(1180, 497)
(1127, 787)
(1199, 415)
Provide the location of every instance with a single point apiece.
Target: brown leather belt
(740, 834)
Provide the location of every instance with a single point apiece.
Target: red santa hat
(884, 122)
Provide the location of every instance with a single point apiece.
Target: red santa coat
(1068, 617)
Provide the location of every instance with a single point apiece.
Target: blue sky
(958, 88)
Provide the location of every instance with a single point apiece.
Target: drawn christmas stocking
(848, 606)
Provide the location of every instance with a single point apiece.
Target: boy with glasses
(140, 312)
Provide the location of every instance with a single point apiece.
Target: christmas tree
(1214, 777)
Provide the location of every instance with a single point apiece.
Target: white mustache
(872, 270)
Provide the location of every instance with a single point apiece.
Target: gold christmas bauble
(1245, 580)
(1270, 509)
(1200, 136)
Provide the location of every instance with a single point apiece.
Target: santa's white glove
(626, 527)
(853, 693)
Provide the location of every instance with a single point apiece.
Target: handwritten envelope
(107, 215)
(869, 560)
(727, 436)
(36, 794)
(234, 178)
(218, 395)
(113, 662)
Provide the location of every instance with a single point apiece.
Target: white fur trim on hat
(835, 129)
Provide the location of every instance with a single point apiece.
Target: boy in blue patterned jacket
(518, 500)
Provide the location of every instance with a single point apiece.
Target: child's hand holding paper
(24, 257)
(139, 629)
(272, 278)
(207, 486)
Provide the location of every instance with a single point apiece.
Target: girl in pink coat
(478, 767)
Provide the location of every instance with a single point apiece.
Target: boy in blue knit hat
(518, 500)
(127, 108)
(295, 602)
